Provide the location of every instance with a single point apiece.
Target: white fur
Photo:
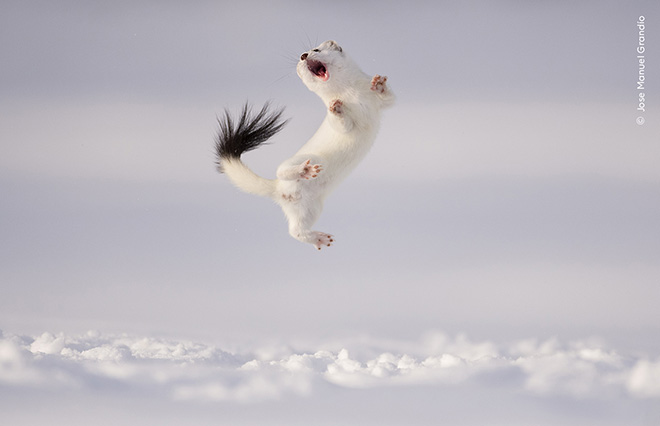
(354, 102)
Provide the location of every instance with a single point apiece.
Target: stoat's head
(324, 68)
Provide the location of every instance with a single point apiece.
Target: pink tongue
(324, 76)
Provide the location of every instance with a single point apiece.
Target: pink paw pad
(378, 83)
(336, 107)
(310, 171)
(323, 240)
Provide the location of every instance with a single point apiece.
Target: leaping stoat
(354, 101)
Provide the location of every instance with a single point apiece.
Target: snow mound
(183, 370)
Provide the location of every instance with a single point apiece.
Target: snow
(185, 370)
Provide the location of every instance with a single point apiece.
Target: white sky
(510, 196)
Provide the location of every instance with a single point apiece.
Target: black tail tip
(247, 132)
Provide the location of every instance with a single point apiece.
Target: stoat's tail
(236, 138)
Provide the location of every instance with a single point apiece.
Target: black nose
(303, 56)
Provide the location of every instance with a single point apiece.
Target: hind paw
(309, 171)
(322, 239)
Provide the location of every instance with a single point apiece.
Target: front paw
(378, 84)
(336, 107)
(309, 171)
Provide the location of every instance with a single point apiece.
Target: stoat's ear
(334, 46)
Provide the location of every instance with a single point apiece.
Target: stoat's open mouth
(318, 69)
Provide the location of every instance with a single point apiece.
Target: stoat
(354, 102)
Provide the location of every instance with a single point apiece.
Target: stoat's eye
(315, 50)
